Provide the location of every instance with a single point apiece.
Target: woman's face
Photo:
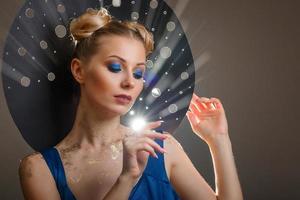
(117, 68)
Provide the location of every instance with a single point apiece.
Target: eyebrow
(123, 60)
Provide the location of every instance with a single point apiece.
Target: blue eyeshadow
(115, 66)
(139, 73)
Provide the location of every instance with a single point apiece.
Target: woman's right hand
(137, 147)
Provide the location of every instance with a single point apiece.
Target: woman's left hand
(207, 118)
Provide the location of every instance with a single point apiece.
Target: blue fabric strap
(55, 165)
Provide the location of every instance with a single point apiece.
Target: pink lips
(123, 99)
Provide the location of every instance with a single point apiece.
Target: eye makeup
(114, 67)
(139, 74)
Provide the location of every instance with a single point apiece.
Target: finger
(201, 105)
(204, 115)
(146, 147)
(192, 118)
(154, 135)
(152, 125)
(204, 99)
(195, 96)
(195, 109)
(218, 103)
(213, 105)
(152, 143)
(201, 102)
(210, 105)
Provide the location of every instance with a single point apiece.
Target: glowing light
(43, 44)
(51, 76)
(134, 15)
(25, 81)
(61, 8)
(29, 13)
(171, 26)
(22, 51)
(172, 108)
(138, 124)
(153, 4)
(184, 75)
(60, 31)
(156, 92)
(165, 52)
(116, 3)
(132, 112)
(149, 64)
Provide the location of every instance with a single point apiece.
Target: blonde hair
(87, 28)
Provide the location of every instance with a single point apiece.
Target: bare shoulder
(31, 163)
(36, 179)
(173, 142)
(175, 151)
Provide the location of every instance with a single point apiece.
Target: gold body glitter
(116, 149)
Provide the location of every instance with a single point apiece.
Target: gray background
(252, 53)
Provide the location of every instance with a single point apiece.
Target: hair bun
(86, 24)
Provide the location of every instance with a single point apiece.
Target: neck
(94, 128)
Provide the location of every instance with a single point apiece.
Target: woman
(102, 159)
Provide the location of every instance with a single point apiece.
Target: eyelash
(114, 67)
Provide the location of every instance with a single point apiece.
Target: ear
(77, 70)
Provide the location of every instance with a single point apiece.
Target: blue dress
(153, 184)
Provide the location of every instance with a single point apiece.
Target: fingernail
(161, 121)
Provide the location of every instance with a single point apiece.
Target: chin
(121, 109)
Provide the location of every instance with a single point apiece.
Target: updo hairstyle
(88, 27)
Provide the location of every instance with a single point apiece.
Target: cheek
(99, 82)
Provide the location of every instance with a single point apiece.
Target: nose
(128, 81)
